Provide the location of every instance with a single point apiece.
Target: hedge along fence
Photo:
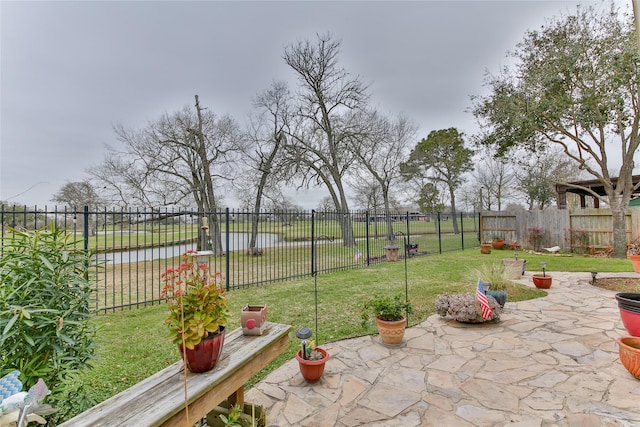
(573, 230)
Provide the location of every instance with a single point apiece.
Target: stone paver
(552, 361)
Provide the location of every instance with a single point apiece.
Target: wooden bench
(159, 399)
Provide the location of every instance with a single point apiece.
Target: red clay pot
(312, 370)
(497, 244)
(630, 354)
(542, 282)
(635, 262)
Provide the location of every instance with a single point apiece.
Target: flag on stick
(357, 256)
(484, 302)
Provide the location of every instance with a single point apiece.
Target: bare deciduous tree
(185, 156)
(265, 166)
(381, 148)
(323, 126)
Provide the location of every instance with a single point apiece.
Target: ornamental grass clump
(198, 306)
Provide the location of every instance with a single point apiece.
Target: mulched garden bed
(619, 284)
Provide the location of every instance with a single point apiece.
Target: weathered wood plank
(159, 399)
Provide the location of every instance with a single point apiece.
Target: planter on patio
(629, 306)
(629, 348)
(313, 368)
(635, 262)
(542, 281)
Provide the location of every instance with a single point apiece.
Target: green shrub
(386, 307)
(45, 309)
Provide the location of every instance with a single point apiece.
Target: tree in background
(441, 158)
(575, 84)
(265, 166)
(323, 125)
(380, 149)
(537, 176)
(184, 157)
(430, 198)
(77, 194)
(497, 180)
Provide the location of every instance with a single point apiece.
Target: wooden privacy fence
(576, 230)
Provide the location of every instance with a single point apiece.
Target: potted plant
(198, 312)
(391, 317)
(496, 275)
(633, 253)
(311, 359)
(497, 242)
(485, 248)
(542, 281)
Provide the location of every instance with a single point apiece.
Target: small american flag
(482, 299)
(357, 256)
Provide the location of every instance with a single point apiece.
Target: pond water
(237, 241)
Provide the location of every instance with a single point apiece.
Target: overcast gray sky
(70, 70)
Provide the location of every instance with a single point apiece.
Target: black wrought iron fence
(134, 247)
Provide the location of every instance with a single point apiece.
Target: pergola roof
(592, 184)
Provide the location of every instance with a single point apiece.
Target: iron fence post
(462, 230)
(366, 243)
(313, 242)
(227, 257)
(439, 219)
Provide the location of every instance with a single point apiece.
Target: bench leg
(237, 398)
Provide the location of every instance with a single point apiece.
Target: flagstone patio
(552, 361)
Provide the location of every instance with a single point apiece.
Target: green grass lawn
(132, 344)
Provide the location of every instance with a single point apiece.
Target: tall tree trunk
(618, 219)
(208, 194)
(453, 212)
(385, 197)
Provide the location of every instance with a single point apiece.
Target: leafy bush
(45, 309)
(579, 240)
(536, 235)
(386, 307)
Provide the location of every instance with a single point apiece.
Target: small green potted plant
(198, 312)
(391, 317)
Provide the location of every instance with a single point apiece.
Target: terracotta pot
(542, 282)
(497, 244)
(485, 248)
(391, 332)
(253, 319)
(312, 370)
(635, 262)
(630, 354)
(204, 355)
